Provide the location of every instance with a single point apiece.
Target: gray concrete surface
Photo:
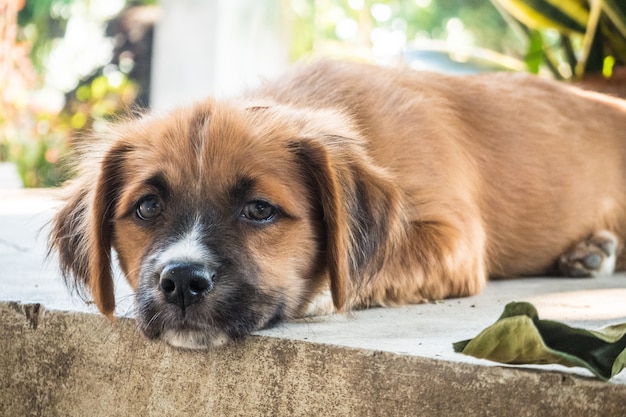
(63, 360)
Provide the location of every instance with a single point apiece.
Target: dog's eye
(258, 211)
(148, 208)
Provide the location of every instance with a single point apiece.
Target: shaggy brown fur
(384, 186)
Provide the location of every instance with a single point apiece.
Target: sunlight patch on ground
(596, 304)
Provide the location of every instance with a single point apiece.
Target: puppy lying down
(343, 186)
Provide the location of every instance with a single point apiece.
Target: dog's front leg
(436, 260)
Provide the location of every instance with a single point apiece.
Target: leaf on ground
(520, 337)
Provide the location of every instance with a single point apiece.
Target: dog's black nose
(184, 284)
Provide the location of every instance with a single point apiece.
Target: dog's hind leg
(595, 256)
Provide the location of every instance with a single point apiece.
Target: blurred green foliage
(572, 38)
(41, 138)
(41, 22)
(315, 23)
(36, 128)
(567, 36)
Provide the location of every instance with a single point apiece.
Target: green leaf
(520, 337)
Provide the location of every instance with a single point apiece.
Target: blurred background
(68, 66)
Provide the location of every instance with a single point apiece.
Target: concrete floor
(420, 332)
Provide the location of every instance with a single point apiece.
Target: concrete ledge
(79, 364)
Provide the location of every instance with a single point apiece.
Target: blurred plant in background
(573, 38)
(567, 39)
(56, 80)
(457, 29)
(67, 65)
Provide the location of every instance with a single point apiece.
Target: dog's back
(541, 163)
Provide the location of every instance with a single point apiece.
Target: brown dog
(376, 186)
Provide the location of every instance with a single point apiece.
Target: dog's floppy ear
(360, 207)
(82, 231)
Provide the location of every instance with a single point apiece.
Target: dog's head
(226, 218)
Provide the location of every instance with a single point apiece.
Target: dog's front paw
(593, 257)
(320, 305)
